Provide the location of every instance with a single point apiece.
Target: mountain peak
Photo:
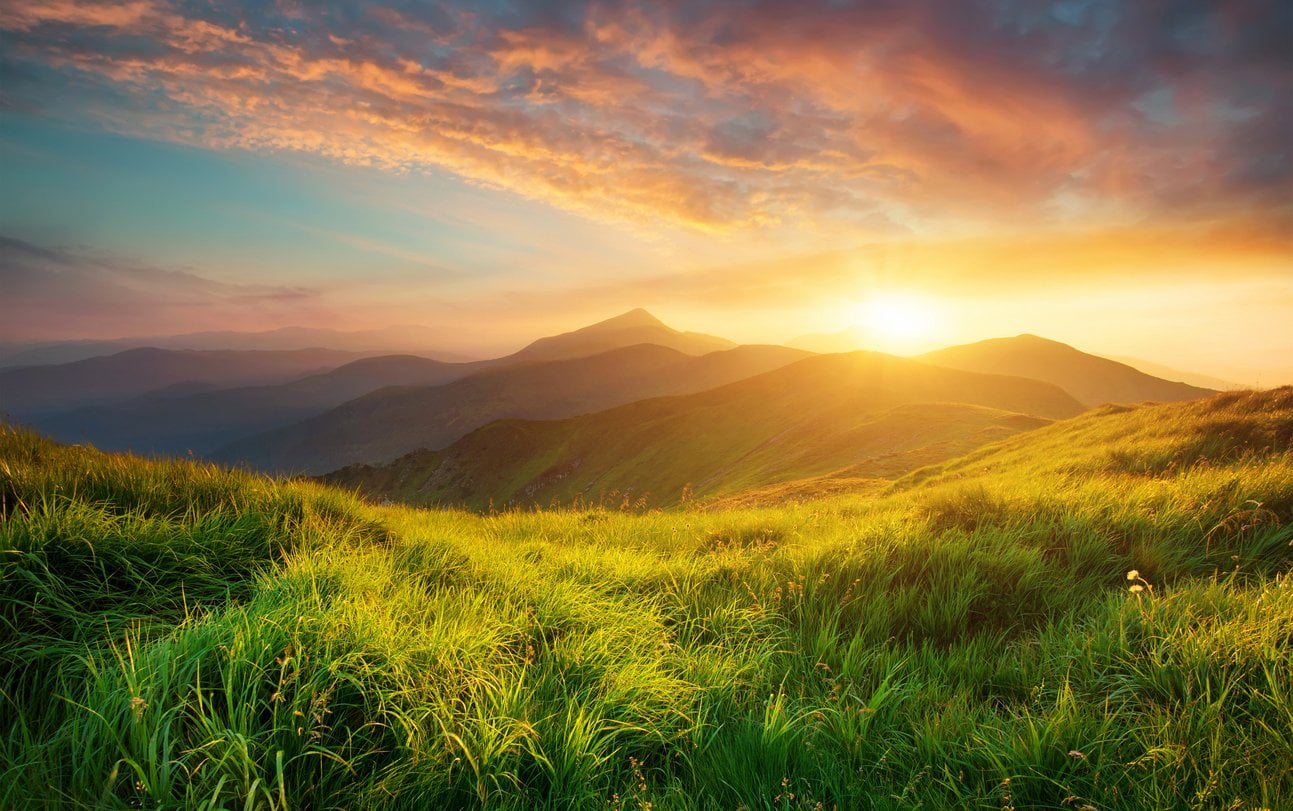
(636, 326)
(637, 317)
(1029, 338)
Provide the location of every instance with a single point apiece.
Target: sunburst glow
(899, 320)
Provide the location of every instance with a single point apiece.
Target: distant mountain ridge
(864, 413)
(388, 340)
(204, 416)
(134, 372)
(1091, 379)
(391, 421)
(1202, 381)
(204, 421)
(354, 409)
(849, 340)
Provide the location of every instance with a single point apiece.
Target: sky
(1115, 175)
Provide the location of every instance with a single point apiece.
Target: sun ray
(898, 320)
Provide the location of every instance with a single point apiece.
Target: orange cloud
(920, 117)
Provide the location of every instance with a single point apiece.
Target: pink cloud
(919, 115)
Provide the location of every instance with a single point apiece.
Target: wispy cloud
(59, 293)
(949, 114)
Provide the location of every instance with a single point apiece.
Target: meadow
(1096, 614)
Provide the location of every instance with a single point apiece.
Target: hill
(36, 389)
(205, 415)
(1145, 441)
(858, 414)
(395, 339)
(176, 422)
(387, 423)
(1170, 373)
(1091, 379)
(175, 635)
(632, 328)
(849, 340)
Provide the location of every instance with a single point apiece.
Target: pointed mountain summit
(636, 317)
(633, 327)
(1092, 380)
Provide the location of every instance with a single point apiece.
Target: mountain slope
(632, 328)
(128, 374)
(205, 415)
(393, 421)
(1092, 380)
(205, 421)
(860, 413)
(849, 340)
(1149, 367)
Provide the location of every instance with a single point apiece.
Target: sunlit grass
(174, 634)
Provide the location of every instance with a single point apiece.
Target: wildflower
(1134, 574)
(1136, 588)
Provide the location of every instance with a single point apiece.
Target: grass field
(1095, 614)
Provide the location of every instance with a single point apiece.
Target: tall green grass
(174, 635)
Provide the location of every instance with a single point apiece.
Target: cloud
(57, 294)
(1024, 264)
(893, 116)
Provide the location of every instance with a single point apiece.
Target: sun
(898, 320)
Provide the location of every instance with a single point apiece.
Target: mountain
(203, 416)
(859, 414)
(392, 421)
(1149, 367)
(360, 342)
(632, 328)
(34, 389)
(175, 421)
(849, 340)
(1092, 380)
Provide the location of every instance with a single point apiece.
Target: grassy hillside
(176, 635)
(389, 422)
(856, 415)
(1091, 379)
